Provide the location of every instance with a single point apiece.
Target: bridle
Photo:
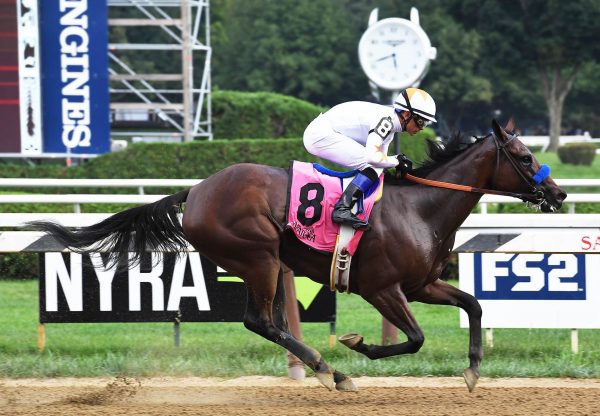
(537, 194)
(534, 184)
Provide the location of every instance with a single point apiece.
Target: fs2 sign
(533, 290)
(530, 276)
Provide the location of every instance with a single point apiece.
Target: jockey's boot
(356, 189)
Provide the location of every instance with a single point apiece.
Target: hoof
(296, 373)
(351, 340)
(326, 379)
(346, 385)
(471, 378)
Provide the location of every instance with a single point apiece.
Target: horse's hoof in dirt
(471, 378)
(326, 379)
(351, 340)
(296, 372)
(346, 385)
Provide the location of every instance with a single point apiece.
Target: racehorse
(236, 218)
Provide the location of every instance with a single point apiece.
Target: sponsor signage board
(584, 240)
(164, 287)
(75, 89)
(533, 290)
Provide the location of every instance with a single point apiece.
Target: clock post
(394, 54)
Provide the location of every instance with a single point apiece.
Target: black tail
(150, 227)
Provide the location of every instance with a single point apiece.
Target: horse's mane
(439, 153)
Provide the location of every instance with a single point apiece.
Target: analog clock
(395, 53)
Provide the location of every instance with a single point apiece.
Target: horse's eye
(526, 160)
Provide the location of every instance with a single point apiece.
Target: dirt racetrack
(265, 396)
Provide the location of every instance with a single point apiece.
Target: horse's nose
(560, 197)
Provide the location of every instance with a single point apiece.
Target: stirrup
(339, 274)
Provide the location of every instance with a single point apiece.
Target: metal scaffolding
(183, 108)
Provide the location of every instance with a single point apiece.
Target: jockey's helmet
(417, 102)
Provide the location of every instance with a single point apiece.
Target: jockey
(357, 134)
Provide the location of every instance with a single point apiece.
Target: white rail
(131, 183)
(544, 141)
(571, 200)
(78, 199)
(142, 198)
(534, 220)
(475, 222)
(140, 184)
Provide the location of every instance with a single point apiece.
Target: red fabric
(320, 235)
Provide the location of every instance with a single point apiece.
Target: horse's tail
(150, 227)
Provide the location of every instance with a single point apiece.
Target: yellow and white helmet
(417, 102)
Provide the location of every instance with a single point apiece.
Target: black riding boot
(342, 210)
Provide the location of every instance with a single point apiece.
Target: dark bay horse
(236, 218)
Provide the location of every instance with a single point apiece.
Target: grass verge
(229, 350)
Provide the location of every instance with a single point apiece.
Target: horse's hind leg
(442, 293)
(393, 305)
(265, 315)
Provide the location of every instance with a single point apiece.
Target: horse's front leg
(392, 304)
(442, 293)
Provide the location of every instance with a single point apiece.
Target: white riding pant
(322, 141)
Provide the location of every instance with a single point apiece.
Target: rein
(536, 194)
(464, 188)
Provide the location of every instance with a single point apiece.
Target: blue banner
(75, 90)
(533, 276)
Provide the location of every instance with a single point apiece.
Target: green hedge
(197, 159)
(577, 153)
(252, 115)
(18, 266)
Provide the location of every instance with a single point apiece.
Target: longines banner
(75, 90)
(162, 288)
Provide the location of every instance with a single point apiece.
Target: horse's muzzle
(552, 201)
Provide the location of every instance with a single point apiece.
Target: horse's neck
(448, 209)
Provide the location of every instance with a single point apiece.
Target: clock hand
(393, 55)
(395, 64)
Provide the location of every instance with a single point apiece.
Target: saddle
(313, 192)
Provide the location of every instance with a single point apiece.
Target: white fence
(142, 198)
(571, 200)
(140, 184)
(474, 224)
(544, 141)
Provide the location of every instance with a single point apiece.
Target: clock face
(394, 53)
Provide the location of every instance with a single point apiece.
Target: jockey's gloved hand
(404, 164)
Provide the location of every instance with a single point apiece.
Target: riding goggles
(420, 121)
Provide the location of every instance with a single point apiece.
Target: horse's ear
(497, 129)
(510, 126)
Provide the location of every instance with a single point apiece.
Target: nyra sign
(161, 288)
(533, 290)
(158, 288)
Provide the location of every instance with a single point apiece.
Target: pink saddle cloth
(311, 198)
